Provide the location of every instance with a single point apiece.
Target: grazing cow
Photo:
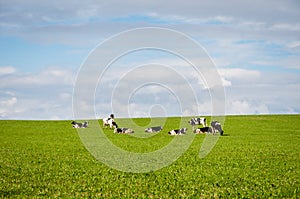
(181, 131)
(123, 130)
(80, 125)
(197, 121)
(216, 127)
(109, 122)
(203, 130)
(153, 129)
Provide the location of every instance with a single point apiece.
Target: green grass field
(258, 157)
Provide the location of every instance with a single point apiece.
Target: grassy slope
(258, 157)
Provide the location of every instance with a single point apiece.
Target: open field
(258, 157)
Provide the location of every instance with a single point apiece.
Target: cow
(216, 127)
(80, 125)
(203, 130)
(197, 121)
(180, 131)
(153, 129)
(128, 130)
(118, 130)
(109, 122)
(123, 130)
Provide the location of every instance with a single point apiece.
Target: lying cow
(203, 130)
(197, 121)
(110, 122)
(181, 131)
(216, 127)
(153, 129)
(123, 130)
(80, 125)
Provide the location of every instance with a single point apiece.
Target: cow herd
(215, 127)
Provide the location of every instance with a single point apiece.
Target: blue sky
(255, 45)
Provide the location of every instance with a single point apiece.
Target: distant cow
(153, 129)
(124, 130)
(109, 122)
(80, 125)
(216, 127)
(198, 121)
(181, 131)
(203, 130)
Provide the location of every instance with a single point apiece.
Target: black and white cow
(180, 131)
(197, 121)
(109, 122)
(123, 130)
(203, 130)
(80, 125)
(153, 129)
(216, 127)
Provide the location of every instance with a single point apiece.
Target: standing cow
(109, 122)
(197, 121)
(216, 127)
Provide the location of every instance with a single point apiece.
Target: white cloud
(272, 92)
(43, 106)
(9, 102)
(239, 73)
(49, 76)
(65, 96)
(286, 27)
(4, 70)
(237, 76)
(291, 111)
(43, 95)
(226, 82)
(66, 22)
(294, 44)
(292, 62)
(246, 107)
(247, 91)
(7, 105)
(267, 10)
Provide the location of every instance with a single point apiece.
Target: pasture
(258, 157)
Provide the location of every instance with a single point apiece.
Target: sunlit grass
(258, 157)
